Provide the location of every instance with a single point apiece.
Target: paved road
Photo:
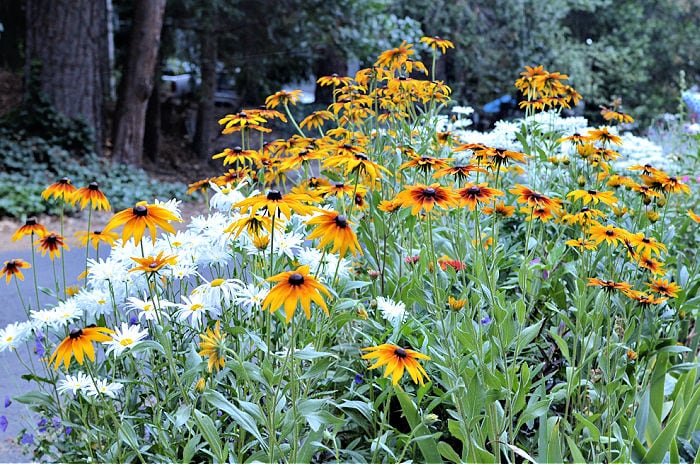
(11, 383)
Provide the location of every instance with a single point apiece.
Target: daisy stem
(63, 255)
(87, 247)
(294, 122)
(21, 299)
(295, 394)
(55, 279)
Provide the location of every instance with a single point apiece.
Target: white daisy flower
(45, 317)
(93, 303)
(392, 311)
(124, 338)
(101, 386)
(251, 296)
(288, 244)
(226, 196)
(67, 312)
(193, 307)
(149, 309)
(219, 292)
(172, 205)
(74, 383)
(14, 334)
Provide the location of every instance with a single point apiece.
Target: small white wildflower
(218, 293)
(392, 311)
(172, 205)
(194, 309)
(226, 196)
(74, 383)
(251, 296)
(14, 334)
(124, 338)
(148, 309)
(288, 244)
(101, 386)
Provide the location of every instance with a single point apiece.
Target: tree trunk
(69, 39)
(205, 110)
(152, 131)
(137, 81)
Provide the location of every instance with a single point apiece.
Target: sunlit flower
(135, 221)
(535, 198)
(334, 227)
(153, 263)
(30, 227)
(334, 80)
(149, 310)
(472, 193)
(95, 237)
(646, 244)
(295, 287)
(582, 244)
(456, 304)
(61, 190)
(237, 156)
(275, 203)
(128, 336)
(283, 98)
(359, 163)
(426, 197)
(79, 343)
(396, 360)
(395, 57)
(610, 234)
(425, 163)
(593, 196)
(51, 243)
(693, 216)
(212, 344)
(609, 285)
(341, 189)
(664, 287)
(92, 195)
(645, 299)
(445, 262)
(436, 42)
(194, 308)
(656, 267)
(584, 217)
(316, 119)
(14, 268)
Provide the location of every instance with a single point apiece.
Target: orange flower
(604, 136)
(283, 98)
(535, 198)
(396, 360)
(275, 203)
(52, 242)
(426, 197)
(609, 285)
(237, 156)
(93, 195)
(153, 263)
(499, 209)
(140, 217)
(593, 196)
(653, 265)
(96, 236)
(14, 267)
(334, 80)
(295, 287)
(472, 193)
(693, 216)
(610, 234)
(646, 244)
(664, 287)
(61, 190)
(79, 343)
(436, 42)
(334, 227)
(30, 227)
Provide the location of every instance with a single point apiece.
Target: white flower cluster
(81, 383)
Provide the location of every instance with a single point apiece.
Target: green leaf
(193, 444)
(448, 453)
(211, 435)
(242, 418)
(663, 442)
(575, 451)
(425, 441)
(528, 334)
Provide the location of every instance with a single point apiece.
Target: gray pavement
(11, 384)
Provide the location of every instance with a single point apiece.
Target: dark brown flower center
(76, 333)
(274, 195)
(93, 186)
(593, 192)
(51, 239)
(31, 221)
(242, 114)
(429, 192)
(237, 149)
(296, 279)
(340, 186)
(153, 265)
(64, 180)
(341, 221)
(610, 233)
(400, 352)
(140, 211)
(473, 190)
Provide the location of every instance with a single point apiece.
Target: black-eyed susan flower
(213, 345)
(604, 136)
(316, 119)
(610, 234)
(275, 203)
(360, 164)
(255, 224)
(334, 80)
(535, 198)
(610, 115)
(583, 217)
(283, 98)
(426, 163)
(52, 243)
(459, 172)
(395, 57)
(334, 227)
(456, 304)
(135, 221)
(693, 216)
(237, 155)
(91, 195)
(95, 237)
(609, 285)
(79, 343)
(151, 264)
(645, 299)
(426, 197)
(646, 244)
(542, 213)
(13, 268)
(293, 288)
(472, 194)
(31, 227)
(389, 206)
(437, 42)
(655, 266)
(582, 244)
(664, 287)
(61, 190)
(593, 196)
(396, 360)
(499, 209)
(341, 189)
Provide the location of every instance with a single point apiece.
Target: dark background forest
(102, 76)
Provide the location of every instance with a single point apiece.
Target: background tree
(137, 81)
(66, 45)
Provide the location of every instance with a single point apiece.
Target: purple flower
(56, 422)
(42, 425)
(545, 274)
(8, 401)
(39, 346)
(3, 423)
(68, 430)
(485, 320)
(27, 439)
(133, 320)
(358, 379)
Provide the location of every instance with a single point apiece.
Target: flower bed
(417, 295)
